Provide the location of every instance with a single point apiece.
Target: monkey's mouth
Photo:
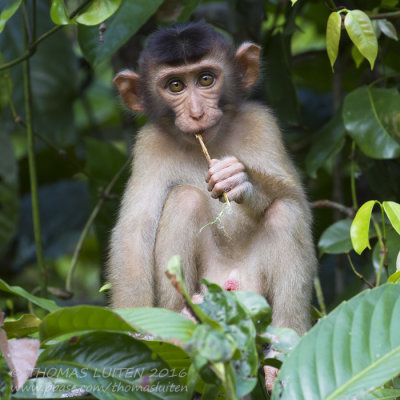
(206, 131)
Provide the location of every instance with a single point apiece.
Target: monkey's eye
(206, 80)
(176, 86)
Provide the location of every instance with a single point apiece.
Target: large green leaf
(328, 141)
(163, 323)
(347, 354)
(336, 238)
(59, 13)
(8, 12)
(25, 325)
(111, 365)
(333, 28)
(46, 304)
(361, 32)
(74, 320)
(371, 118)
(98, 11)
(9, 194)
(359, 231)
(130, 16)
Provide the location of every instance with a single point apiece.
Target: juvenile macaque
(192, 81)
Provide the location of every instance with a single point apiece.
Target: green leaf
(111, 365)
(8, 12)
(387, 28)
(98, 11)
(329, 140)
(46, 304)
(389, 3)
(371, 118)
(45, 388)
(333, 29)
(74, 320)
(361, 32)
(359, 231)
(130, 16)
(294, 2)
(336, 238)
(25, 325)
(188, 7)
(358, 58)
(392, 210)
(59, 14)
(163, 323)
(394, 278)
(353, 350)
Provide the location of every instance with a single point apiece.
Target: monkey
(191, 80)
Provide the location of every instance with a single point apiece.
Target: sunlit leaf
(362, 34)
(359, 231)
(98, 11)
(294, 2)
(23, 326)
(394, 278)
(59, 14)
(357, 57)
(347, 354)
(392, 210)
(8, 12)
(387, 28)
(371, 117)
(333, 29)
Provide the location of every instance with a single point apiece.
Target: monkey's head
(189, 77)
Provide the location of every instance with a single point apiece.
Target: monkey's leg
(289, 264)
(185, 211)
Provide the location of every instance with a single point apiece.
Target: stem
(32, 169)
(359, 276)
(352, 176)
(31, 49)
(382, 247)
(332, 204)
(394, 14)
(320, 295)
(89, 223)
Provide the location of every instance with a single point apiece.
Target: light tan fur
(166, 203)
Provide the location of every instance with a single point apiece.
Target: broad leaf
(392, 210)
(98, 11)
(361, 32)
(347, 354)
(25, 325)
(74, 320)
(371, 118)
(328, 141)
(336, 238)
(333, 29)
(130, 16)
(163, 323)
(46, 304)
(359, 231)
(58, 13)
(8, 12)
(111, 365)
(387, 28)
(356, 56)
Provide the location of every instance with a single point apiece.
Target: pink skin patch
(231, 284)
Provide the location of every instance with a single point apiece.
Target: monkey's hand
(228, 175)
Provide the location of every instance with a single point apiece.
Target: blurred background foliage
(337, 129)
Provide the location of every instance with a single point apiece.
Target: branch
(394, 14)
(31, 48)
(358, 275)
(89, 223)
(349, 211)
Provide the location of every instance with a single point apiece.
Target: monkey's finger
(228, 184)
(224, 174)
(239, 193)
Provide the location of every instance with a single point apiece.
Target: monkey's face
(192, 92)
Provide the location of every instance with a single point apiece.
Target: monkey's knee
(186, 200)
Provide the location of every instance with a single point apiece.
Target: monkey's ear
(127, 83)
(248, 57)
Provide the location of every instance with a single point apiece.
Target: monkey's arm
(131, 259)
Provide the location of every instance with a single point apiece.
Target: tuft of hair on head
(183, 43)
